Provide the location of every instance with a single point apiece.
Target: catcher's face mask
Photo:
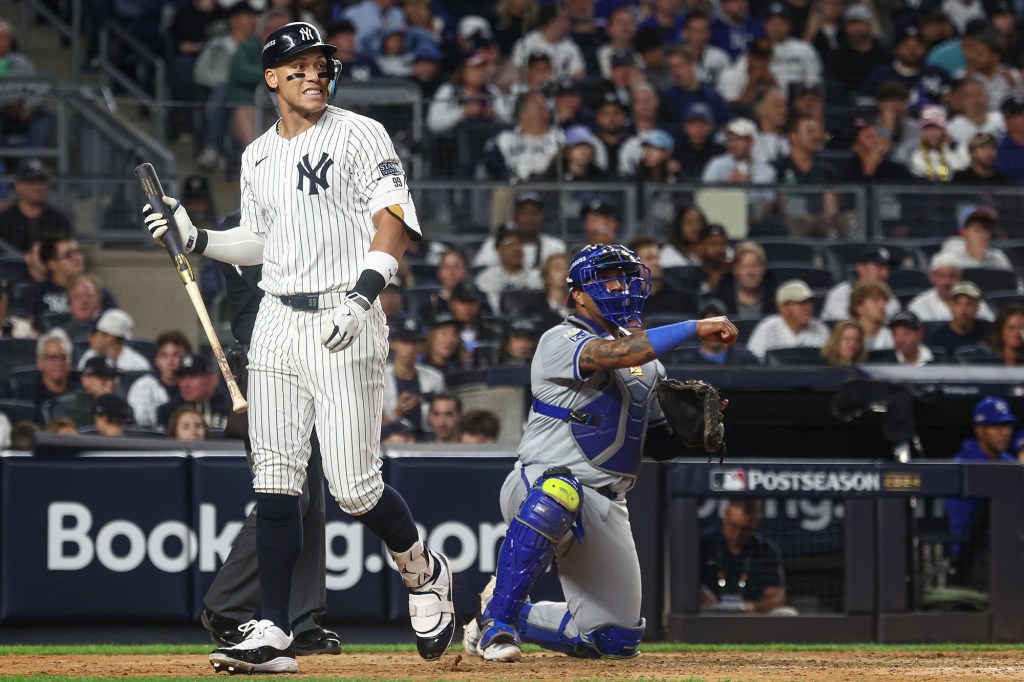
(616, 279)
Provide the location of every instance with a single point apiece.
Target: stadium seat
(782, 250)
(417, 298)
(794, 356)
(908, 279)
(518, 303)
(17, 376)
(998, 299)
(682, 278)
(16, 352)
(814, 277)
(882, 355)
(144, 346)
(18, 410)
(12, 269)
(745, 326)
(991, 279)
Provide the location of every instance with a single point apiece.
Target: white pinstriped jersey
(312, 199)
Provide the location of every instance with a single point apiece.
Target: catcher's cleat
(471, 631)
(265, 649)
(500, 642)
(432, 611)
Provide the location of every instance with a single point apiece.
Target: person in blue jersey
(595, 414)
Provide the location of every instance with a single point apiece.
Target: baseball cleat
(500, 642)
(265, 649)
(223, 631)
(317, 641)
(432, 611)
(471, 630)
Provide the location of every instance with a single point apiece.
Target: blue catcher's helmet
(596, 266)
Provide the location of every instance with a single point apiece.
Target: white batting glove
(346, 323)
(156, 223)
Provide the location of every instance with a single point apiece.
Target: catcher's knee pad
(545, 516)
(616, 641)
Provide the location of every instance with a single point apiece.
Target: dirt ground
(826, 666)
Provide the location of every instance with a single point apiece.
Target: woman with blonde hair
(846, 346)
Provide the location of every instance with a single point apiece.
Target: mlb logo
(729, 481)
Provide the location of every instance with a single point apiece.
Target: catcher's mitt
(694, 411)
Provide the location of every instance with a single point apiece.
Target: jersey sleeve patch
(577, 335)
(389, 168)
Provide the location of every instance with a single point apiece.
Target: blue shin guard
(608, 641)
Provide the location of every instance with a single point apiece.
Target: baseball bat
(151, 187)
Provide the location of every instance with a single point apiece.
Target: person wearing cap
(568, 106)
(644, 118)
(520, 343)
(733, 29)
(149, 392)
(443, 349)
(54, 379)
(696, 145)
(713, 250)
(577, 160)
(1010, 154)
(600, 221)
(528, 218)
(471, 315)
(369, 16)
(794, 325)
(620, 30)
(982, 171)
(408, 384)
(964, 327)
(30, 218)
(354, 66)
(551, 37)
(868, 306)
(625, 76)
(861, 52)
(199, 386)
(651, 48)
(211, 70)
(97, 377)
(709, 59)
(984, 51)
(925, 83)
(793, 60)
(970, 99)
(972, 248)
(426, 70)
(993, 422)
(908, 340)
(110, 415)
(873, 159)
(935, 159)
(749, 75)
(894, 120)
(526, 151)
(933, 305)
(479, 427)
(655, 163)
(113, 330)
(688, 89)
(510, 272)
(872, 265)
(398, 432)
(739, 167)
(395, 46)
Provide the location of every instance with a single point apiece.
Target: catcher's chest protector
(615, 442)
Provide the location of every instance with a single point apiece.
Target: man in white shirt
(737, 166)
(793, 60)
(793, 326)
(113, 329)
(972, 249)
(551, 37)
(933, 305)
(872, 266)
(907, 336)
(529, 221)
(975, 116)
(509, 273)
(710, 60)
(771, 113)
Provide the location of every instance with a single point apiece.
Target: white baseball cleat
(265, 649)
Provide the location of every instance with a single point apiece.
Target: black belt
(301, 301)
(606, 491)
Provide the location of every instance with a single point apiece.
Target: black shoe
(223, 631)
(317, 641)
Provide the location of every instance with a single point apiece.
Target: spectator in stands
(984, 52)
(577, 159)
(110, 415)
(1005, 343)
(972, 248)
(443, 417)
(907, 340)
(354, 66)
(188, 32)
(211, 71)
(993, 424)
(651, 48)
(873, 161)
(964, 327)
(655, 163)
(868, 306)
(450, 271)
(696, 145)
(859, 53)
(1002, 18)
(713, 249)
(245, 76)
(970, 99)
(30, 219)
(846, 346)
(198, 386)
(23, 436)
(872, 265)
(925, 84)
(467, 306)
(53, 360)
(398, 432)
(553, 272)
(370, 16)
(600, 221)
(113, 330)
(510, 272)
(444, 350)
(98, 377)
(537, 76)
(420, 15)
(13, 326)
(62, 426)
(197, 199)
(666, 17)
(568, 105)
(808, 99)
(982, 171)
(620, 30)
(662, 299)
(149, 392)
(408, 385)
(688, 89)
(529, 221)
(895, 122)
(520, 343)
(1010, 155)
(742, 82)
(713, 352)
(552, 38)
(479, 427)
(526, 151)
(683, 234)
(793, 60)
(770, 111)
(21, 115)
(610, 117)
(794, 324)
(935, 159)
(709, 59)
(85, 303)
(64, 261)
(748, 290)
(807, 216)
(740, 569)
(625, 76)
(933, 305)
(739, 167)
(185, 423)
(734, 29)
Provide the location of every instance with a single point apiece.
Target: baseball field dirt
(736, 666)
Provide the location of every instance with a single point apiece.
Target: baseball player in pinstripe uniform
(595, 414)
(326, 209)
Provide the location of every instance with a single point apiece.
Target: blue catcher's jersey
(618, 404)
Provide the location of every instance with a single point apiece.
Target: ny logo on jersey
(306, 33)
(317, 175)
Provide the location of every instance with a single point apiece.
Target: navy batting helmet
(291, 39)
(594, 270)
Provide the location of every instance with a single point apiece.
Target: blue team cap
(427, 52)
(990, 411)
(699, 110)
(658, 138)
(579, 134)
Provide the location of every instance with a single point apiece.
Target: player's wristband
(664, 339)
(378, 269)
(201, 240)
